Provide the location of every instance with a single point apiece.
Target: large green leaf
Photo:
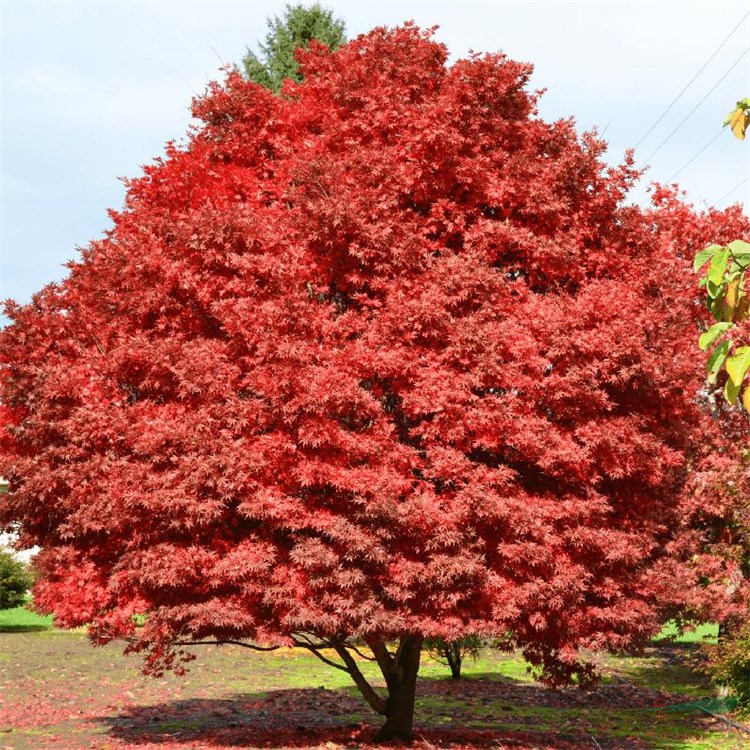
(714, 290)
(738, 364)
(731, 391)
(718, 265)
(716, 306)
(713, 333)
(736, 267)
(739, 247)
(704, 256)
(716, 360)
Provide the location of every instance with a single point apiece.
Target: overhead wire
(693, 158)
(692, 111)
(736, 187)
(692, 80)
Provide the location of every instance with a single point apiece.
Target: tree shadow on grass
(280, 718)
(24, 628)
(477, 712)
(522, 693)
(674, 668)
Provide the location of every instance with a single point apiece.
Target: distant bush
(15, 580)
(453, 653)
(729, 663)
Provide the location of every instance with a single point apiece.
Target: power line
(688, 163)
(691, 81)
(692, 111)
(736, 187)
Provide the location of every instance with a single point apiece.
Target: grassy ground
(56, 690)
(22, 620)
(701, 634)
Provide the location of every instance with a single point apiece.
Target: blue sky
(92, 90)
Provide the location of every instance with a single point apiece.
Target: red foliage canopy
(384, 356)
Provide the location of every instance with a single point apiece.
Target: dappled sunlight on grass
(699, 634)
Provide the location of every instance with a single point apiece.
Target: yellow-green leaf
(716, 360)
(718, 266)
(713, 333)
(731, 297)
(738, 121)
(738, 364)
(739, 247)
(731, 391)
(704, 256)
(740, 127)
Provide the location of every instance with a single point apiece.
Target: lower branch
(392, 668)
(226, 643)
(368, 692)
(316, 652)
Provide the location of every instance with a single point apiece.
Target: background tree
(299, 26)
(454, 653)
(15, 581)
(382, 360)
(728, 475)
(725, 475)
(725, 280)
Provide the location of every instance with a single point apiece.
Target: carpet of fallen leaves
(57, 691)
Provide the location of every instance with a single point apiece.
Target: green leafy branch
(728, 300)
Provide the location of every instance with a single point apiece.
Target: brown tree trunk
(453, 654)
(401, 679)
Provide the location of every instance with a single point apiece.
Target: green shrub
(729, 663)
(15, 580)
(453, 653)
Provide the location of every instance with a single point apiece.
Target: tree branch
(368, 692)
(359, 653)
(382, 656)
(309, 642)
(315, 650)
(226, 643)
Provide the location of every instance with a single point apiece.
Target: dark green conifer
(297, 28)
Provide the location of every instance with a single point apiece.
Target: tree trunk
(401, 680)
(453, 654)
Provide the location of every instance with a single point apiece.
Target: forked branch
(368, 692)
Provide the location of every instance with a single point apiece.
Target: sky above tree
(93, 90)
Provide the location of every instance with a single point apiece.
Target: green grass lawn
(701, 634)
(96, 695)
(86, 697)
(21, 619)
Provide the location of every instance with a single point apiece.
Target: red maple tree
(382, 358)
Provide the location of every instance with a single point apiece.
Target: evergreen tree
(14, 581)
(296, 29)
